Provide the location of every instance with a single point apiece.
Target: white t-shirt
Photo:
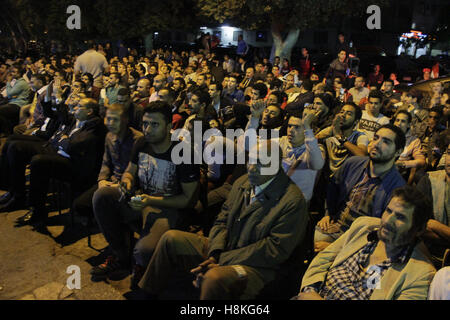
(370, 124)
(358, 95)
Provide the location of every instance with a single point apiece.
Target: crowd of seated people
(356, 205)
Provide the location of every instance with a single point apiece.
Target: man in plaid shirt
(376, 259)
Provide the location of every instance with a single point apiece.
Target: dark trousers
(216, 199)
(9, 117)
(116, 220)
(4, 166)
(183, 251)
(82, 205)
(44, 167)
(19, 155)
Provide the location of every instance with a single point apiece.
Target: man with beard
(362, 186)
(198, 108)
(159, 82)
(412, 156)
(142, 93)
(152, 192)
(111, 91)
(436, 185)
(376, 259)
(222, 105)
(341, 139)
(359, 91)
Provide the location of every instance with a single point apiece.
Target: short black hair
(307, 85)
(116, 75)
(63, 73)
(183, 83)
(422, 206)
(218, 85)
(135, 75)
(404, 112)
(171, 93)
(294, 113)
(19, 68)
(438, 110)
(280, 96)
(93, 105)
(40, 77)
(400, 139)
(89, 75)
(203, 97)
(123, 92)
(358, 112)
(160, 107)
(276, 83)
(376, 94)
(261, 88)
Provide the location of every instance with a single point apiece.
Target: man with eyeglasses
(70, 155)
(21, 148)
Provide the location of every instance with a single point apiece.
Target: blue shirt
(241, 48)
(351, 175)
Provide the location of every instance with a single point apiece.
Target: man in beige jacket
(376, 259)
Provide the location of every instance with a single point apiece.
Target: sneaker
(6, 197)
(112, 268)
(14, 204)
(136, 276)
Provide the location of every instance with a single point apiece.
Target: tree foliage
(300, 14)
(100, 19)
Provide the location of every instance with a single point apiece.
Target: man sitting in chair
(376, 259)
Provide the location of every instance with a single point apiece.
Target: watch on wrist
(342, 140)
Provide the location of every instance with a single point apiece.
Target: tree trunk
(283, 48)
(148, 40)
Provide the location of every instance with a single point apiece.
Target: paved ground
(33, 266)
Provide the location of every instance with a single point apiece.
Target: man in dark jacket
(19, 149)
(260, 225)
(306, 96)
(75, 157)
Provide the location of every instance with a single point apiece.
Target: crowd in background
(353, 148)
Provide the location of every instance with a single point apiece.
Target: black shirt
(157, 173)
